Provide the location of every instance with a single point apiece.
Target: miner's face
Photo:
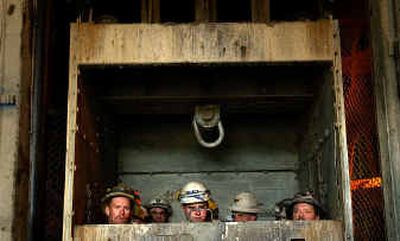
(304, 211)
(244, 217)
(196, 212)
(158, 215)
(119, 210)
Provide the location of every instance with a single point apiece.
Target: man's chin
(119, 221)
(198, 220)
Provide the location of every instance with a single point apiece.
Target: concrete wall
(158, 156)
(10, 77)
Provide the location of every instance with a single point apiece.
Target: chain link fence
(362, 136)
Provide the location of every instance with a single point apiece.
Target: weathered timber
(150, 11)
(205, 11)
(217, 231)
(202, 43)
(386, 87)
(260, 11)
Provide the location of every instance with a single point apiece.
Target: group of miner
(120, 201)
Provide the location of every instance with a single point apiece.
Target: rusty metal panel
(216, 231)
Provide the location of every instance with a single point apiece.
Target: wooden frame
(119, 44)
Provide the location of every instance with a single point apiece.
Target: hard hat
(159, 203)
(308, 197)
(194, 192)
(281, 208)
(120, 190)
(246, 202)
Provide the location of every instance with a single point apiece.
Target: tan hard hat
(246, 202)
(120, 190)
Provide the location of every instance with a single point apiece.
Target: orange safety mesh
(365, 172)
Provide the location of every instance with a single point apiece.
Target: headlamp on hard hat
(194, 192)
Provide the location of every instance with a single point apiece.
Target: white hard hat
(246, 202)
(194, 192)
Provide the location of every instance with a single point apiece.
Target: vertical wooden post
(150, 11)
(260, 11)
(384, 32)
(205, 11)
(71, 131)
(342, 159)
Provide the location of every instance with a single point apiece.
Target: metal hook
(208, 117)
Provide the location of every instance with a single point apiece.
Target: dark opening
(178, 11)
(288, 10)
(149, 99)
(234, 11)
(123, 11)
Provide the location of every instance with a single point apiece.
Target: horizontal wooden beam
(266, 230)
(201, 43)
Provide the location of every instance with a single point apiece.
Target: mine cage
(133, 89)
